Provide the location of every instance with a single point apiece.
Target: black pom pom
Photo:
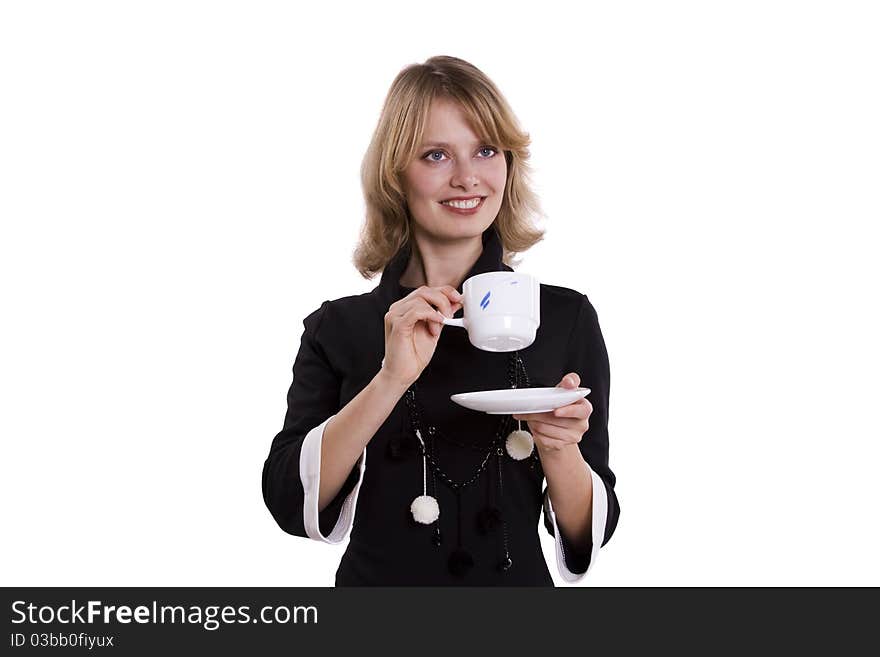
(402, 448)
(488, 519)
(460, 562)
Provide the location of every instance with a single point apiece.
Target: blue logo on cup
(485, 302)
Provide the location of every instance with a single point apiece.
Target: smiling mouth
(468, 204)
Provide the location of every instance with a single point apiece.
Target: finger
(436, 297)
(421, 310)
(580, 409)
(552, 431)
(414, 315)
(430, 298)
(570, 380)
(454, 300)
(402, 307)
(454, 295)
(548, 419)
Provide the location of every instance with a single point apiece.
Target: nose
(464, 176)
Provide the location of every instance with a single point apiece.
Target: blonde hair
(396, 140)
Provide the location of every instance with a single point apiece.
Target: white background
(179, 188)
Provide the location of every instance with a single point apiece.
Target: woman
(452, 496)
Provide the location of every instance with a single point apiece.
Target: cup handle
(455, 322)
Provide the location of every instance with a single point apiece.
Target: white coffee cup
(502, 310)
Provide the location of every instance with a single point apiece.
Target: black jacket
(342, 350)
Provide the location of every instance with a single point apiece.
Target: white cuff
(310, 474)
(600, 517)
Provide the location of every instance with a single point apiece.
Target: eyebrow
(443, 144)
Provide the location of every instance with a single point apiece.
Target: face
(453, 164)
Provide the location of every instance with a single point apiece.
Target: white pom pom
(425, 509)
(520, 445)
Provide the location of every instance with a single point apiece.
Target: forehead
(447, 122)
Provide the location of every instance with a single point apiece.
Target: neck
(435, 264)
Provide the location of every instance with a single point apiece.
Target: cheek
(413, 180)
(498, 175)
(425, 187)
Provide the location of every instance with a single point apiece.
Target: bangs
(487, 123)
(482, 119)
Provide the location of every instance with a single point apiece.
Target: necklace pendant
(488, 519)
(460, 562)
(519, 445)
(425, 509)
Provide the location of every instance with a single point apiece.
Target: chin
(462, 229)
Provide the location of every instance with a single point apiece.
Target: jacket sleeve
(589, 358)
(291, 473)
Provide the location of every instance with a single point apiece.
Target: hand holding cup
(412, 329)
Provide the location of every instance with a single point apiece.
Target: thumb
(570, 380)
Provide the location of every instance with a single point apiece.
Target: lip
(463, 198)
(473, 210)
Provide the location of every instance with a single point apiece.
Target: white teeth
(463, 205)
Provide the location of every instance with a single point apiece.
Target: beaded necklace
(425, 508)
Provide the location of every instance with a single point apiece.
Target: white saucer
(515, 401)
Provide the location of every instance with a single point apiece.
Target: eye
(485, 152)
(430, 156)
